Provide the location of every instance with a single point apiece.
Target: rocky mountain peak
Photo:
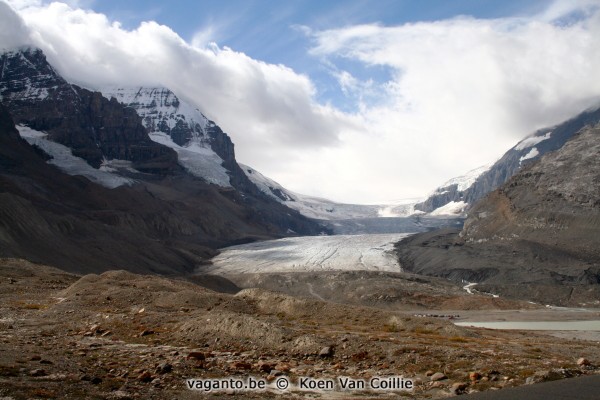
(26, 75)
(94, 128)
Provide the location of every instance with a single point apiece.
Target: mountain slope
(526, 151)
(536, 237)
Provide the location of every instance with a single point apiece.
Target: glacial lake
(589, 325)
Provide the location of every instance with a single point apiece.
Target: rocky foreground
(119, 335)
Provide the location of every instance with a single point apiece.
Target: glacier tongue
(178, 125)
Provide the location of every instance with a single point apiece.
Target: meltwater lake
(591, 325)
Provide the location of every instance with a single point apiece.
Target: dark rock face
(512, 161)
(537, 237)
(162, 111)
(92, 126)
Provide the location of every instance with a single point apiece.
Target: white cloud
(269, 110)
(461, 91)
(13, 32)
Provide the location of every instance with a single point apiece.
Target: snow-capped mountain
(178, 125)
(85, 187)
(462, 193)
(448, 198)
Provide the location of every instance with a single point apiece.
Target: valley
(140, 257)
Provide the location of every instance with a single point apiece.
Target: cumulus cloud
(459, 92)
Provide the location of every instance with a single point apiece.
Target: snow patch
(197, 160)
(532, 153)
(464, 181)
(400, 208)
(452, 208)
(532, 141)
(68, 163)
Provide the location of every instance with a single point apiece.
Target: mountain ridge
(536, 237)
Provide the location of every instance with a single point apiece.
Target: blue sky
(356, 101)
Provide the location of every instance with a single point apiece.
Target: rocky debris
(137, 367)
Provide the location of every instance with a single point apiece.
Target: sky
(356, 101)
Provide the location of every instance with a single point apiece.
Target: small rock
(438, 376)
(283, 367)
(530, 380)
(147, 332)
(141, 310)
(35, 358)
(474, 376)
(196, 355)
(429, 373)
(145, 377)
(164, 368)
(47, 362)
(265, 367)
(458, 388)
(240, 365)
(120, 395)
(326, 351)
(582, 361)
(437, 384)
(96, 381)
(37, 372)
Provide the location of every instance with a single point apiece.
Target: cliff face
(537, 237)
